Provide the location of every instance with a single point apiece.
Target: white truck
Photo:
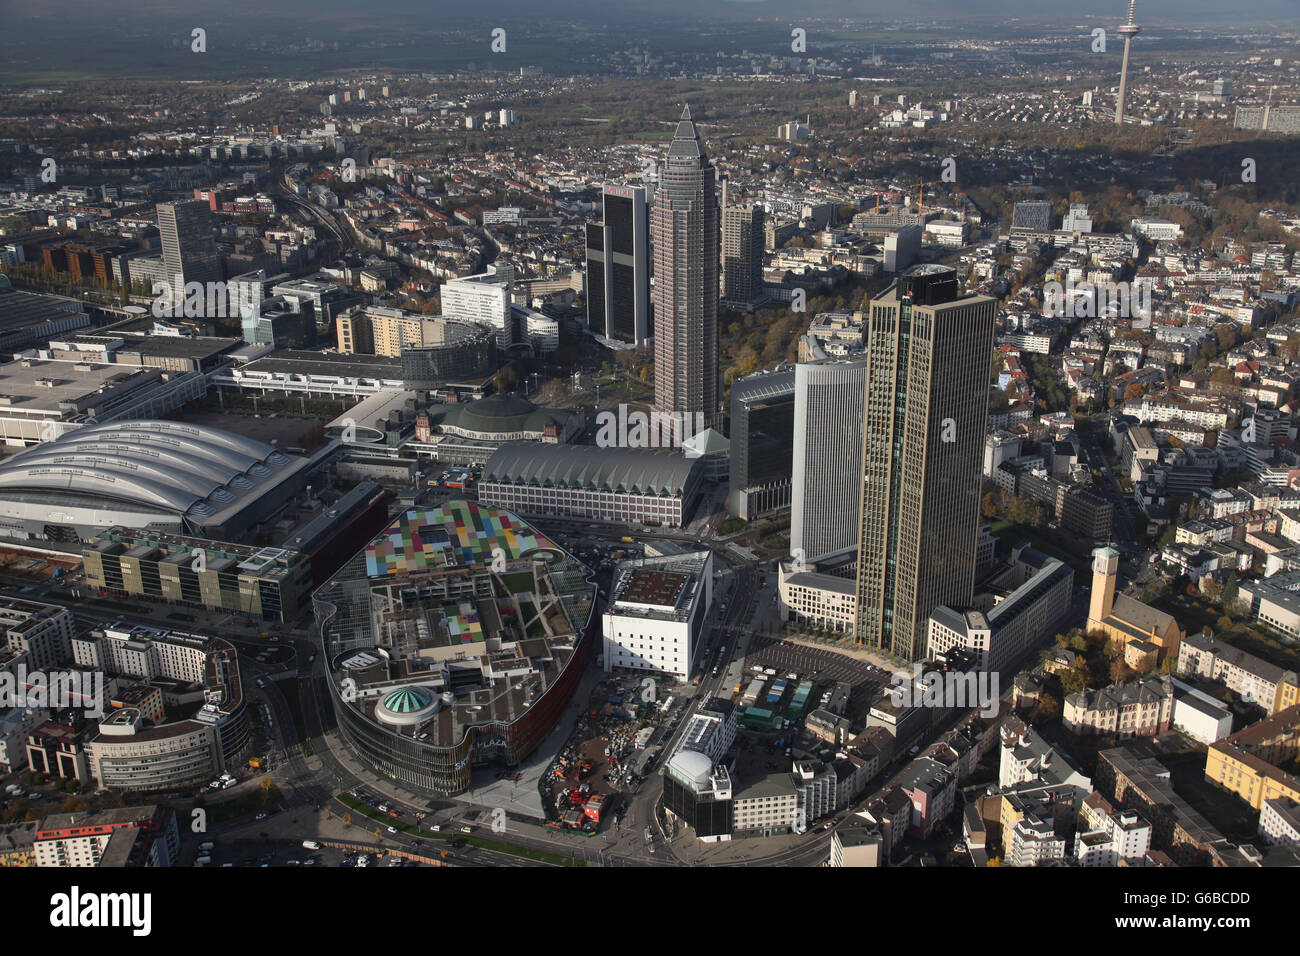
(310, 845)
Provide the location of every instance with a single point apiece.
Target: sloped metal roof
(641, 471)
(187, 469)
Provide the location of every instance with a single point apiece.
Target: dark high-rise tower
(928, 357)
(188, 249)
(684, 234)
(618, 268)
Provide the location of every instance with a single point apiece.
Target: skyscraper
(685, 236)
(618, 268)
(742, 253)
(762, 439)
(926, 410)
(1128, 31)
(483, 298)
(825, 494)
(188, 249)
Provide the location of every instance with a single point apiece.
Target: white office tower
(825, 499)
(1077, 220)
(483, 298)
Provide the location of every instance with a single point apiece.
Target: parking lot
(822, 667)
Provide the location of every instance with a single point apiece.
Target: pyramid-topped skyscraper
(685, 236)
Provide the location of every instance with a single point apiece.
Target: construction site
(607, 755)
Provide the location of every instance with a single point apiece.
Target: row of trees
(1014, 508)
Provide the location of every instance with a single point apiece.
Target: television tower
(1128, 31)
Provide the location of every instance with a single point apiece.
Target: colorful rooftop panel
(456, 534)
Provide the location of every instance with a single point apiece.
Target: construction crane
(920, 202)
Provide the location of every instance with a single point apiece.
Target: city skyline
(597, 435)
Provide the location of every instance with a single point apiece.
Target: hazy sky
(51, 13)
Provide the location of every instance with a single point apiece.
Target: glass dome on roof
(408, 700)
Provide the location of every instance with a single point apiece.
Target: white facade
(1033, 843)
(647, 644)
(709, 733)
(1109, 838)
(1199, 716)
(826, 478)
(1156, 229)
(1279, 822)
(483, 299)
(646, 632)
(817, 790)
(43, 631)
(820, 600)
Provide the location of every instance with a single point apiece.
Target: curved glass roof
(162, 464)
(408, 700)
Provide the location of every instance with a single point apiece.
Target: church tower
(1105, 572)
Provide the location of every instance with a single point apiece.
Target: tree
(1230, 592)
(1077, 677)
(1048, 707)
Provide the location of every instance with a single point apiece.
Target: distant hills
(47, 16)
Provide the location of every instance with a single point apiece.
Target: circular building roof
(407, 707)
(498, 415)
(408, 700)
(500, 406)
(693, 766)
